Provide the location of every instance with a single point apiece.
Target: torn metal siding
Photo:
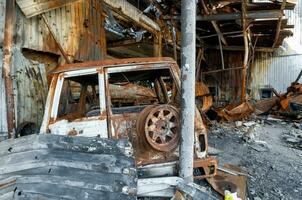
(78, 27)
(31, 88)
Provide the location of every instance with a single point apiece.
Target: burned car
(133, 99)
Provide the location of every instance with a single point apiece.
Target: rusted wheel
(162, 127)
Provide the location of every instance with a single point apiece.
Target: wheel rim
(162, 128)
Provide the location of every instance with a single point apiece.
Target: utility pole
(246, 51)
(188, 59)
(8, 43)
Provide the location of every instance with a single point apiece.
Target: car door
(79, 107)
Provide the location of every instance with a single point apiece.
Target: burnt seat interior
(139, 89)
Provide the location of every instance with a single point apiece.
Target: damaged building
(99, 96)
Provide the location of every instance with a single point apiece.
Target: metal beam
(8, 42)
(188, 54)
(240, 48)
(252, 15)
(132, 13)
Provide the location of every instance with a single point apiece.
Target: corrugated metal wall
(275, 71)
(78, 27)
(281, 68)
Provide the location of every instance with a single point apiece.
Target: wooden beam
(279, 24)
(122, 43)
(252, 15)
(52, 33)
(246, 50)
(214, 23)
(222, 70)
(240, 48)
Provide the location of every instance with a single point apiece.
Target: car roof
(112, 63)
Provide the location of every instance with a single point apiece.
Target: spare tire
(160, 124)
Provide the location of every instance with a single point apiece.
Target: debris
(238, 123)
(225, 181)
(213, 151)
(204, 100)
(230, 196)
(249, 124)
(237, 112)
(263, 106)
(293, 138)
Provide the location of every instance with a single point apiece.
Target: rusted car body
(134, 99)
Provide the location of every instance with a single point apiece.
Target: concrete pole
(188, 59)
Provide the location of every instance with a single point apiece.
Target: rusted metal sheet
(204, 100)
(209, 165)
(31, 8)
(7, 66)
(78, 27)
(233, 113)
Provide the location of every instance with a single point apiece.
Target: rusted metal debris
(233, 113)
(204, 100)
(229, 181)
(288, 105)
(209, 166)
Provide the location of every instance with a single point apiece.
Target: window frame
(59, 87)
(121, 69)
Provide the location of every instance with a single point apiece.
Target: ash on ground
(270, 152)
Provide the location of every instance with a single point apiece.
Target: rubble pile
(293, 136)
(269, 152)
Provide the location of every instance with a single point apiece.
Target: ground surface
(273, 162)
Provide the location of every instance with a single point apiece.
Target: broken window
(132, 91)
(79, 97)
